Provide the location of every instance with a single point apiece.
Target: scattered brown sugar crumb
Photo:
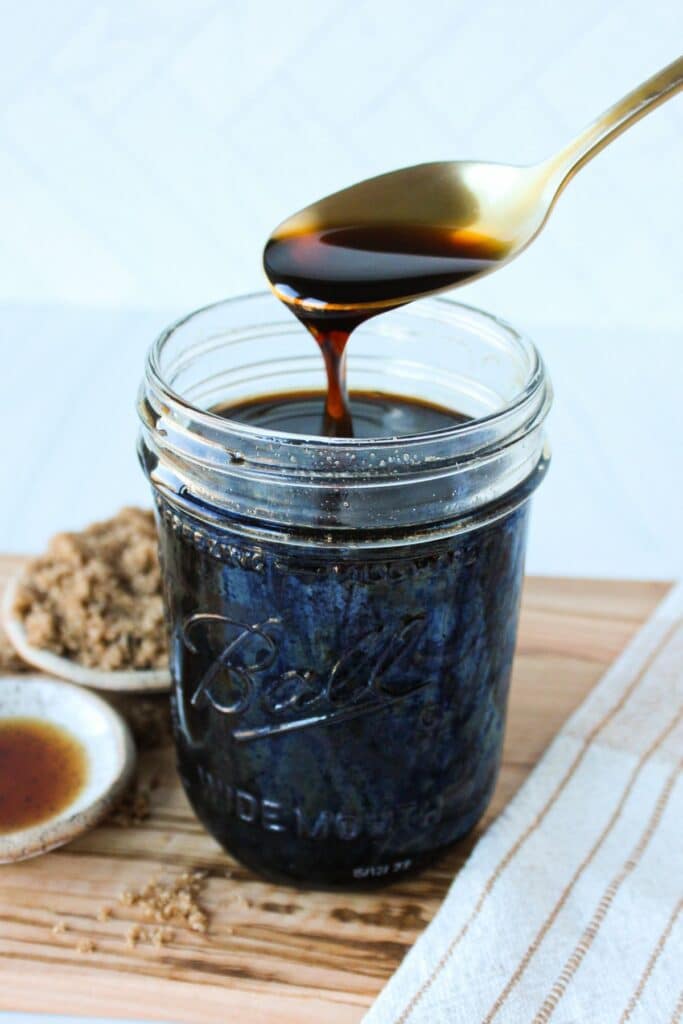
(85, 946)
(104, 913)
(158, 937)
(134, 807)
(161, 937)
(95, 596)
(175, 902)
(59, 928)
(134, 935)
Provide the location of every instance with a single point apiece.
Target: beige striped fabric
(570, 909)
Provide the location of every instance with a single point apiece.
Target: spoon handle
(648, 95)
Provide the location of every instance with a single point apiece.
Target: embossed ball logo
(379, 669)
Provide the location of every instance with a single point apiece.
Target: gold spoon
(416, 231)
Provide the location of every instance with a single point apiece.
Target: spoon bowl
(419, 230)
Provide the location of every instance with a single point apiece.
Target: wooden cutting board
(273, 953)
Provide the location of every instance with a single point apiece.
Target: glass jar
(342, 612)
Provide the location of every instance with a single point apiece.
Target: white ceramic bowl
(156, 680)
(110, 756)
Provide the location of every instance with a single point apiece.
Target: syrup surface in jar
(375, 413)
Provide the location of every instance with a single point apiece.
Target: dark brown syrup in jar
(375, 413)
(42, 770)
(334, 279)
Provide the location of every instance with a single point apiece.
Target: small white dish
(109, 748)
(157, 680)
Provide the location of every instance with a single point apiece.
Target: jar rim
(310, 482)
(237, 429)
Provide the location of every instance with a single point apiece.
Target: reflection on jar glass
(343, 613)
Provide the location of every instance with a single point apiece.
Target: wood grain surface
(273, 953)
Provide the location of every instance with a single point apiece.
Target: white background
(147, 148)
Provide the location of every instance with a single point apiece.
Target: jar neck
(201, 523)
(285, 482)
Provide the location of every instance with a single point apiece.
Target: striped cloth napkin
(570, 908)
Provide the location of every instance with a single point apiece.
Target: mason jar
(342, 612)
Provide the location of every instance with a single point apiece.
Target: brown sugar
(175, 902)
(134, 807)
(161, 937)
(134, 935)
(95, 596)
